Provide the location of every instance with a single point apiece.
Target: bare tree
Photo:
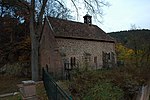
(57, 10)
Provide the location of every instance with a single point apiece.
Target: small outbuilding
(74, 44)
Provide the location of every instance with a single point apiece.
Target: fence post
(46, 67)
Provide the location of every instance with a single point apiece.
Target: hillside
(131, 38)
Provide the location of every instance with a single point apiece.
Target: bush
(98, 84)
(104, 91)
(16, 69)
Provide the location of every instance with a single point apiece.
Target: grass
(14, 97)
(41, 93)
(8, 84)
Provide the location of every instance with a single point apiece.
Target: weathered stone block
(28, 90)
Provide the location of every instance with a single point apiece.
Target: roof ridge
(71, 21)
(67, 28)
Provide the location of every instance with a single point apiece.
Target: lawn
(8, 84)
(14, 97)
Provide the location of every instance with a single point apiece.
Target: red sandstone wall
(49, 53)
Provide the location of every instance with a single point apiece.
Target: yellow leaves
(123, 52)
(130, 51)
(129, 55)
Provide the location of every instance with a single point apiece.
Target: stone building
(81, 44)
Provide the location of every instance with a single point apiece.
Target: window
(95, 60)
(108, 56)
(73, 61)
(87, 59)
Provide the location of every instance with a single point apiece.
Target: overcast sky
(122, 13)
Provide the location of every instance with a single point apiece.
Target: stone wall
(49, 54)
(78, 48)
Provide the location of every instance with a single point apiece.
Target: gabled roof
(70, 29)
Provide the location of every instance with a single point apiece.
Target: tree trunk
(34, 52)
(34, 44)
(34, 58)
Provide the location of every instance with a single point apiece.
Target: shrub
(104, 91)
(16, 69)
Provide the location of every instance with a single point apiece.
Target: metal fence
(54, 92)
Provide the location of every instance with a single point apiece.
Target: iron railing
(54, 92)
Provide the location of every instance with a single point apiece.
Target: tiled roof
(71, 29)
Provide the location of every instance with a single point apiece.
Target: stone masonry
(77, 48)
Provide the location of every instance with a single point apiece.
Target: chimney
(87, 19)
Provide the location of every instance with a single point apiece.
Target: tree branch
(40, 18)
(75, 8)
(60, 3)
(25, 4)
(90, 6)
